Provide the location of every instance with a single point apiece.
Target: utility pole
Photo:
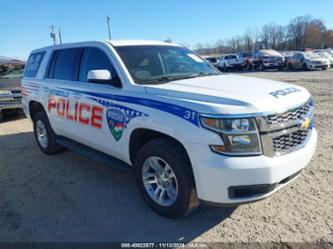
(53, 34)
(59, 33)
(108, 22)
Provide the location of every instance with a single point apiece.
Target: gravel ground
(68, 198)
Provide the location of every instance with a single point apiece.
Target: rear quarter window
(65, 64)
(33, 63)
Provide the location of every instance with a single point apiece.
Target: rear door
(232, 59)
(298, 61)
(62, 73)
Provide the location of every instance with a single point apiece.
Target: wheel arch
(141, 136)
(35, 107)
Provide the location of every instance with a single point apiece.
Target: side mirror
(99, 76)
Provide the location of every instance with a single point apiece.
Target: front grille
(285, 132)
(288, 142)
(15, 91)
(291, 115)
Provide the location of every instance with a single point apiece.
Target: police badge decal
(116, 121)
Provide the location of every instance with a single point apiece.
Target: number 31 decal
(190, 115)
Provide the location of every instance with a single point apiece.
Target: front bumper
(317, 66)
(216, 174)
(14, 104)
(237, 65)
(269, 65)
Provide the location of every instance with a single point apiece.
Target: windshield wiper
(173, 78)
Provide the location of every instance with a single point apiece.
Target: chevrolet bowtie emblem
(306, 123)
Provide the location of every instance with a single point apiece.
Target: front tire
(305, 67)
(164, 176)
(261, 67)
(44, 134)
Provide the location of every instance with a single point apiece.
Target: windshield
(10, 74)
(157, 64)
(325, 55)
(212, 60)
(311, 55)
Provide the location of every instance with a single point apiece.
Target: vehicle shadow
(12, 116)
(68, 198)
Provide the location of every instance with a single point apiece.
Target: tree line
(301, 33)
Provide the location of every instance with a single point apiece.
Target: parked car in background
(214, 61)
(266, 59)
(244, 56)
(307, 61)
(231, 61)
(328, 50)
(287, 56)
(10, 85)
(325, 55)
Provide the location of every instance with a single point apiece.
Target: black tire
(305, 67)
(1, 115)
(172, 153)
(52, 147)
(261, 67)
(290, 66)
(280, 68)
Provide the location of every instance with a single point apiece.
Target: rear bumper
(235, 180)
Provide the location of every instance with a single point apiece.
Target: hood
(231, 94)
(10, 84)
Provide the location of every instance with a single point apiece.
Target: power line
(46, 27)
(22, 26)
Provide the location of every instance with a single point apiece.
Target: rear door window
(33, 63)
(65, 64)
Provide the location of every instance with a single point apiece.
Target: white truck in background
(189, 133)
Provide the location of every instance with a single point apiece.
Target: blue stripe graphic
(184, 113)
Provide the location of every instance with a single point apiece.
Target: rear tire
(166, 154)
(44, 134)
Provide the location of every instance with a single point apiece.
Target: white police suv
(189, 133)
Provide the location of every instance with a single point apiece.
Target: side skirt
(93, 154)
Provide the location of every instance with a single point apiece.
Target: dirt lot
(70, 198)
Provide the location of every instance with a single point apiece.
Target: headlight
(240, 135)
(229, 125)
